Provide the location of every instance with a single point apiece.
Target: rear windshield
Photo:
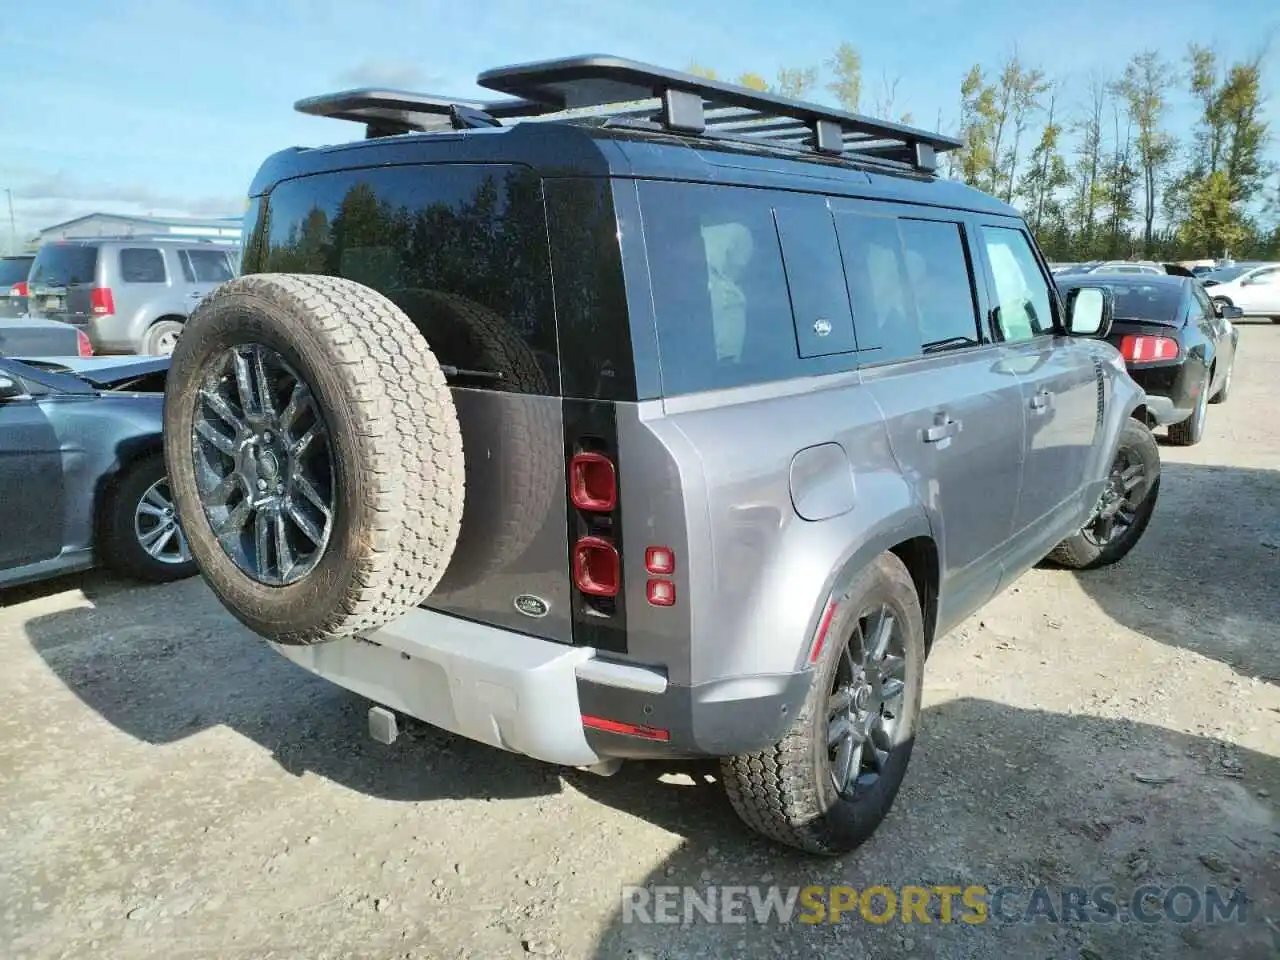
(1152, 302)
(14, 270)
(64, 265)
(461, 249)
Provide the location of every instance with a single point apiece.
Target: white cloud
(388, 72)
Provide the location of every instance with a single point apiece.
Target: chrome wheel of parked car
(865, 705)
(263, 465)
(155, 524)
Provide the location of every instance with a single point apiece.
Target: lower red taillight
(627, 729)
(1142, 349)
(83, 346)
(19, 289)
(597, 568)
(101, 302)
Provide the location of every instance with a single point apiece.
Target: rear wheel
(1190, 431)
(1224, 391)
(161, 337)
(828, 784)
(1125, 507)
(314, 455)
(140, 535)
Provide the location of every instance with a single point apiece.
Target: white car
(1255, 291)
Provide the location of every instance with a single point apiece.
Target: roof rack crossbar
(692, 104)
(389, 112)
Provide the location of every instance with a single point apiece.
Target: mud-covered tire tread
(773, 790)
(1078, 552)
(410, 449)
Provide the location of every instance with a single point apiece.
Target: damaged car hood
(101, 372)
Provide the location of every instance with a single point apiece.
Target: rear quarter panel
(753, 575)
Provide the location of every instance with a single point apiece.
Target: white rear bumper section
(508, 690)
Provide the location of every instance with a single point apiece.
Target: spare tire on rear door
(314, 455)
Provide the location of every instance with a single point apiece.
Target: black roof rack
(686, 104)
(388, 112)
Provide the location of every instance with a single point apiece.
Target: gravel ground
(172, 788)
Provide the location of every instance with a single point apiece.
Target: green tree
(1088, 192)
(846, 76)
(796, 82)
(977, 128)
(1144, 88)
(1047, 174)
(752, 81)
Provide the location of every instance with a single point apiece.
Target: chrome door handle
(1040, 402)
(943, 428)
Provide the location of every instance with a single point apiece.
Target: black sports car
(1177, 345)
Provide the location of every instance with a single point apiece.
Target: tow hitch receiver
(382, 725)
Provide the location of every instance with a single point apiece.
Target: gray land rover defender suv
(637, 415)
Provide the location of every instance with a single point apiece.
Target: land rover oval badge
(531, 606)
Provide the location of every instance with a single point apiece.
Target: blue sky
(168, 106)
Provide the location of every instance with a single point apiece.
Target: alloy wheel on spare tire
(314, 455)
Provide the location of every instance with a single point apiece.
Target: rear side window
(141, 265)
(462, 249)
(879, 285)
(724, 294)
(206, 266)
(13, 270)
(938, 271)
(64, 265)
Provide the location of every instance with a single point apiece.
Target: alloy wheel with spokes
(866, 704)
(155, 524)
(1121, 498)
(263, 465)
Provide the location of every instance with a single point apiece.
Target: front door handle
(1040, 402)
(943, 428)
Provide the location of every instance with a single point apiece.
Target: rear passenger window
(876, 270)
(938, 271)
(208, 266)
(723, 297)
(462, 249)
(141, 265)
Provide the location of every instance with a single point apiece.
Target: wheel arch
(129, 451)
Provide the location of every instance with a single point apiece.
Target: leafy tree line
(1095, 166)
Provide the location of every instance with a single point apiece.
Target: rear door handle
(1040, 402)
(943, 428)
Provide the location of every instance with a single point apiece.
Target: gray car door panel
(955, 424)
(31, 485)
(1062, 388)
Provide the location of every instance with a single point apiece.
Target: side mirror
(1230, 313)
(1089, 312)
(11, 389)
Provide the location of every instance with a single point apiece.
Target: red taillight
(661, 593)
(101, 301)
(597, 568)
(1142, 349)
(83, 345)
(593, 482)
(19, 289)
(660, 560)
(627, 729)
(823, 627)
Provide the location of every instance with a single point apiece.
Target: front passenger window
(1022, 294)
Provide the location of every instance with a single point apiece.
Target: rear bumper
(528, 696)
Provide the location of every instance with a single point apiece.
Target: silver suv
(130, 295)
(680, 428)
